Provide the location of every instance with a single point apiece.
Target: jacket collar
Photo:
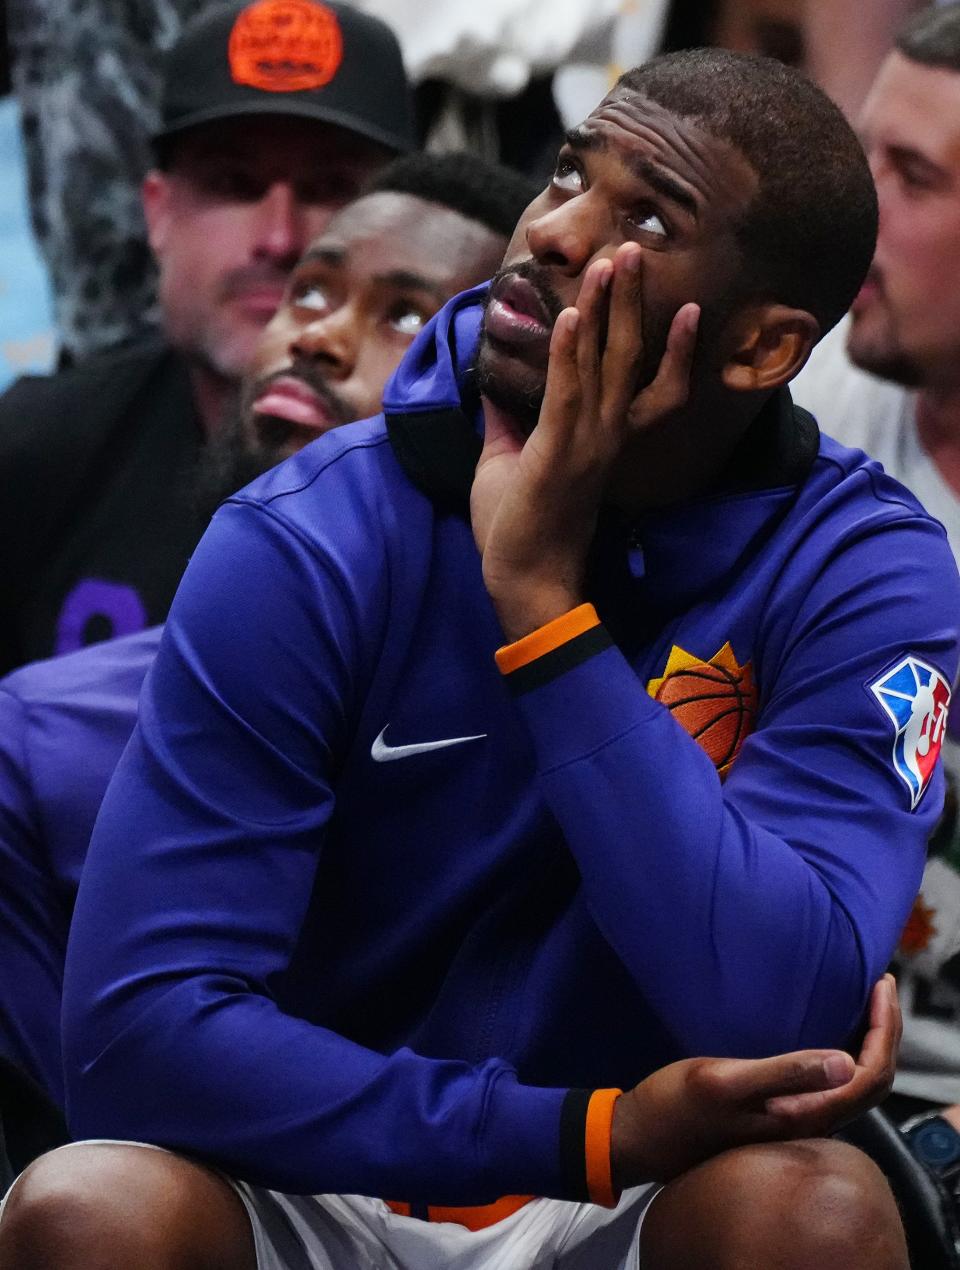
(434, 419)
(673, 553)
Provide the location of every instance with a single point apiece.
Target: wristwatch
(936, 1143)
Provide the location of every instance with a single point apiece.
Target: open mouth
(516, 314)
(289, 398)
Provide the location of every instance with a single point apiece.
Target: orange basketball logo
(285, 46)
(715, 701)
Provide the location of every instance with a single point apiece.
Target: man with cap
(274, 114)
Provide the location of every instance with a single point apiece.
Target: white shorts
(352, 1232)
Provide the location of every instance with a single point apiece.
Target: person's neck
(938, 430)
(212, 395)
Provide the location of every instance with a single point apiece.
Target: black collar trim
(438, 450)
(778, 449)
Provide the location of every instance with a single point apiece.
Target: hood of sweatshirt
(434, 420)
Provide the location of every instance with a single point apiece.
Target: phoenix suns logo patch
(715, 701)
(285, 46)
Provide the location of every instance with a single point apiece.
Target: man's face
(632, 173)
(232, 214)
(906, 319)
(352, 307)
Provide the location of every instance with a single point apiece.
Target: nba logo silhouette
(917, 698)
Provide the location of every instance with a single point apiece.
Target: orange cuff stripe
(546, 638)
(599, 1127)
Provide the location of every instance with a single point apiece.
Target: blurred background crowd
(80, 83)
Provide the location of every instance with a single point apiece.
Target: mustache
(337, 407)
(538, 278)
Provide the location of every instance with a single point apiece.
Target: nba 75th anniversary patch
(917, 698)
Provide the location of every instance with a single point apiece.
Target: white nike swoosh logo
(380, 752)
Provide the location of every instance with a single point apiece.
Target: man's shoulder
(102, 679)
(113, 368)
(63, 725)
(351, 474)
(856, 408)
(859, 490)
(76, 405)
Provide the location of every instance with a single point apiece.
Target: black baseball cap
(308, 58)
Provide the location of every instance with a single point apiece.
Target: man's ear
(769, 343)
(155, 194)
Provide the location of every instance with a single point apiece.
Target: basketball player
(408, 868)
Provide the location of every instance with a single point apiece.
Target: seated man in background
(429, 227)
(256, 153)
(887, 380)
(513, 745)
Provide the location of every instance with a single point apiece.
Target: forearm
(742, 940)
(209, 1068)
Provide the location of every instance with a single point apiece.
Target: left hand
(692, 1110)
(534, 504)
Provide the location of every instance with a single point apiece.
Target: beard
(885, 360)
(249, 444)
(519, 395)
(874, 341)
(518, 389)
(896, 367)
(231, 460)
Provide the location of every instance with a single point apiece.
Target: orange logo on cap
(285, 46)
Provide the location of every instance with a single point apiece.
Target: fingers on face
(573, 368)
(561, 398)
(623, 349)
(671, 385)
(592, 303)
(682, 337)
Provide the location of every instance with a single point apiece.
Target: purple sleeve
(33, 913)
(192, 899)
(756, 913)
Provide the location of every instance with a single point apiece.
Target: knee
(834, 1204)
(798, 1205)
(102, 1205)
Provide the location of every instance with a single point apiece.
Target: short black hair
(932, 37)
(808, 235)
(483, 191)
